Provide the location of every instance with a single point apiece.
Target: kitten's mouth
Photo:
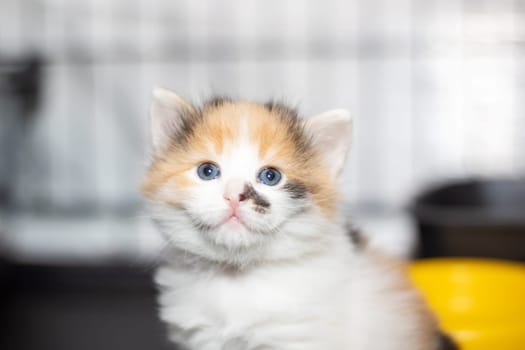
(231, 222)
(234, 220)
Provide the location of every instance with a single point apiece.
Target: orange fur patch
(266, 128)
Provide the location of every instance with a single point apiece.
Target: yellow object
(480, 303)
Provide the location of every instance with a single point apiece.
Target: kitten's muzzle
(237, 191)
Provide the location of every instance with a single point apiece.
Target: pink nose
(233, 192)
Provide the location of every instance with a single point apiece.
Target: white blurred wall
(435, 86)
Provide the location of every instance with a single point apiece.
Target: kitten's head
(239, 182)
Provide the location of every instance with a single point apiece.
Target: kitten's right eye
(208, 171)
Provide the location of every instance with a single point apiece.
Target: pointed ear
(331, 135)
(166, 117)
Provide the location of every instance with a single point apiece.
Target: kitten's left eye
(208, 171)
(269, 176)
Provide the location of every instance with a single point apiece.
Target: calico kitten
(247, 197)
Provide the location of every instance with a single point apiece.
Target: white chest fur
(333, 302)
(277, 307)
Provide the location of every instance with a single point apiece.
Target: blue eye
(208, 171)
(269, 176)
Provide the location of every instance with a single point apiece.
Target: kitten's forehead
(238, 156)
(265, 128)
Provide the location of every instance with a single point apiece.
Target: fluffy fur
(281, 272)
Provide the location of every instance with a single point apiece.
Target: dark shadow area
(77, 308)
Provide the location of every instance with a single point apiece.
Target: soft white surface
(44, 239)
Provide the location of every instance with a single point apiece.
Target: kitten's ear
(331, 134)
(166, 117)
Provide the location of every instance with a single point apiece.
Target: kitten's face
(236, 181)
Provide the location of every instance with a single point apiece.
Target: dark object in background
(20, 93)
(473, 219)
(79, 308)
(21, 78)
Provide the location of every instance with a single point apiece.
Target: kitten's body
(331, 301)
(253, 267)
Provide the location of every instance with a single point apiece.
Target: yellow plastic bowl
(480, 303)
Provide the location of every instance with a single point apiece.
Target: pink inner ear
(165, 117)
(331, 133)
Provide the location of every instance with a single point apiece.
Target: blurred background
(435, 88)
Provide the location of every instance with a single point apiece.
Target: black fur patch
(192, 116)
(356, 237)
(281, 108)
(295, 126)
(217, 101)
(296, 189)
(189, 118)
(250, 193)
(446, 342)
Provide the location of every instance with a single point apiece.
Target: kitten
(247, 197)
